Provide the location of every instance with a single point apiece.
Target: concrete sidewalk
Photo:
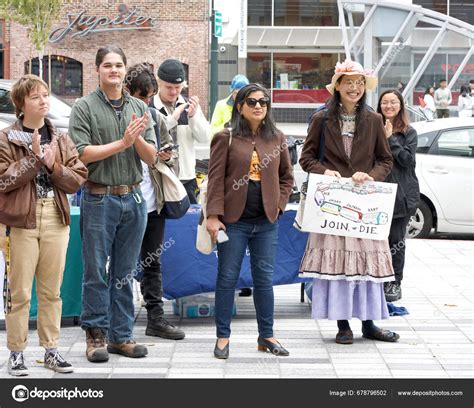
(436, 337)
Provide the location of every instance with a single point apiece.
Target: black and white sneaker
(393, 291)
(16, 364)
(54, 361)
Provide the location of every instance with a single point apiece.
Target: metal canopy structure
(395, 24)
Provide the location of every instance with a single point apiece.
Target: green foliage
(36, 15)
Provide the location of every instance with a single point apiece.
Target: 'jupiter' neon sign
(84, 24)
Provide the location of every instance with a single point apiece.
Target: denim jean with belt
(112, 228)
(261, 238)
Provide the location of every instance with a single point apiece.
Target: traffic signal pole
(214, 64)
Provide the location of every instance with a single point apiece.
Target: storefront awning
(284, 37)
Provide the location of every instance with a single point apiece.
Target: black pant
(442, 113)
(191, 187)
(396, 240)
(150, 260)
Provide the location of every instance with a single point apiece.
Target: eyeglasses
(391, 103)
(357, 82)
(252, 102)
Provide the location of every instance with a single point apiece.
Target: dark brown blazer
(370, 151)
(229, 167)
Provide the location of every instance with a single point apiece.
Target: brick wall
(181, 33)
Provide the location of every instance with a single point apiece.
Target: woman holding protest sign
(349, 272)
(38, 166)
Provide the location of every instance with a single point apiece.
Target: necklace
(122, 100)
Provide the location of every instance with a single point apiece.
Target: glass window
(2, 41)
(1, 61)
(6, 105)
(259, 69)
(462, 9)
(434, 72)
(259, 12)
(425, 140)
(441, 6)
(444, 66)
(454, 60)
(66, 74)
(302, 78)
(306, 13)
(457, 142)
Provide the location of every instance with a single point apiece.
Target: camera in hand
(169, 147)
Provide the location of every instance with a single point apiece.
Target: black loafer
(275, 348)
(344, 337)
(221, 353)
(381, 335)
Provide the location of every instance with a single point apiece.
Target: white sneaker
(54, 361)
(16, 364)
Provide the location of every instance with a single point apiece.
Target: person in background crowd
(443, 99)
(248, 214)
(430, 108)
(471, 92)
(113, 135)
(403, 141)
(401, 87)
(184, 120)
(349, 272)
(141, 83)
(465, 104)
(38, 167)
(223, 110)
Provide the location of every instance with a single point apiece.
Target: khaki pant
(42, 253)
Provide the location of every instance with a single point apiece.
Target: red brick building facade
(154, 30)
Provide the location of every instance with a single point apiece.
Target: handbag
(204, 243)
(175, 198)
(422, 102)
(304, 187)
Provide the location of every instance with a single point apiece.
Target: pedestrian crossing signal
(217, 24)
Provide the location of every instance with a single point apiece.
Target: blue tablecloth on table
(188, 272)
(185, 270)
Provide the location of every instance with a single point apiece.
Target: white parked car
(445, 170)
(59, 111)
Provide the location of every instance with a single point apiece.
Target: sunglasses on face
(252, 102)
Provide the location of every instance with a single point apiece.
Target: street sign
(217, 24)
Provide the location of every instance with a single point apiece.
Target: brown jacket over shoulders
(229, 169)
(18, 169)
(370, 151)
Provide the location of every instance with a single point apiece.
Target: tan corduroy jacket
(18, 169)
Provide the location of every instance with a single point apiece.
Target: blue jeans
(111, 226)
(262, 239)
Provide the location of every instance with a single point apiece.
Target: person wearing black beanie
(184, 120)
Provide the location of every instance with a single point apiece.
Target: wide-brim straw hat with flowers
(349, 67)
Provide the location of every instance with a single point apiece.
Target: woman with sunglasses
(403, 141)
(349, 272)
(250, 180)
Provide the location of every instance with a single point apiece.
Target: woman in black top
(402, 139)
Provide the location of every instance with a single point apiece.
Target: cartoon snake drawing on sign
(322, 199)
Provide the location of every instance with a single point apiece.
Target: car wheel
(421, 223)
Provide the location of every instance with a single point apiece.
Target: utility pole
(214, 64)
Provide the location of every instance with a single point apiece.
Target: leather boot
(96, 351)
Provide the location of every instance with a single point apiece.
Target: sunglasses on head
(252, 102)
